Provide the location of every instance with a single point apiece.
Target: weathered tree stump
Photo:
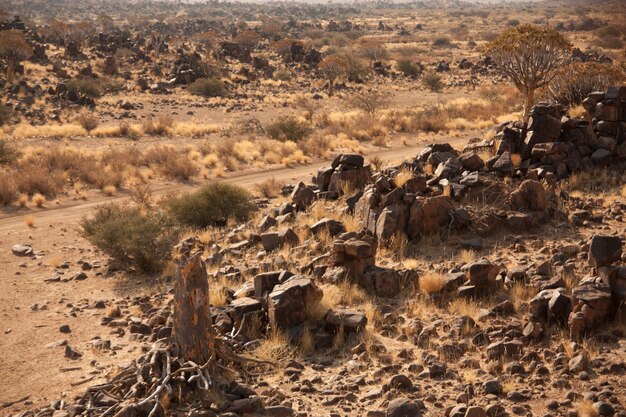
(192, 327)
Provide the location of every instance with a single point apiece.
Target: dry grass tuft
(274, 348)
(55, 261)
(29, 220)
(585, 408)
(269, 188)
(403, 176)
(109, 190)
(520, 293)
(466, 256)
(307, 344)
(161, 126)
(431, 283)
(38, 199)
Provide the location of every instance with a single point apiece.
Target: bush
(432, 81)
(442, 42)
(131, 237)
(281, 75)
(34, 179)
(573, 83)
(288, 128)
(89, 87)
(212, 205)
(88, 121)
(8, 154)
(8, 190)
(161, 126)
(5, 114)
(408, 68)
(207, 87)
(170, 163)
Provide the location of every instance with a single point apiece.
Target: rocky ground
(381, 293)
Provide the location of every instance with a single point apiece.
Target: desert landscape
(333, 209)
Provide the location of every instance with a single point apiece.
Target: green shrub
(89, 87)
(408, 68)
(432, 81)
(212, 205)
(131, 237)
(288, 128)
(207, 87)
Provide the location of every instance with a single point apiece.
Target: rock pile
(593, 300)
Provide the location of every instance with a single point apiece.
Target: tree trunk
(331, 87)
(192, 326)
(530, 98)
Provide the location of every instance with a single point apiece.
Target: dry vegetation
(141, 102)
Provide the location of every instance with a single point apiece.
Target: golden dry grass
(25, 131)
(29, 220)
(275, 347)
(306, 344)
(466, 256)
(109, 190)
(38, 199)
(520, 293)
(403, 176)
(431, 283)
(585, 408)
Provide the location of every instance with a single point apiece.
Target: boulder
(591, 305)
(403, 407)
(529, 195)
(302, 196)
(472, 161)
(481, 273)
(289, 303)
(604, 250)
(427, 215)
(348, 320)
(333, 227)
(385, 281)
(22, 250)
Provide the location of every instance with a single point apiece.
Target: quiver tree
(332, 68)
(13, 49)
(573, 83)
(530, 56)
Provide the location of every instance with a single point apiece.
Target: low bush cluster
(142, 238)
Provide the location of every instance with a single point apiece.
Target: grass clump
(288, 128)
(207, 87)
(130, 236)
(212, 205)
